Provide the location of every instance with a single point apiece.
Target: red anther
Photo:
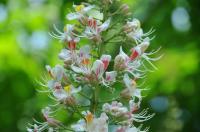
(134, 54)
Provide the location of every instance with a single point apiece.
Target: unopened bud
(119, 63)
(125, 9)
(132, 26)
(125, 94)
(67, 63)
(70, 101)
(97, 39)
(107, 2)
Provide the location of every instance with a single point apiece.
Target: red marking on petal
(72, 45)
(134, 54)
(106, 63)
(134, 109)
(90, 22)
(108, 78)
(94, 23)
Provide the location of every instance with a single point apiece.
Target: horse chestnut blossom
(89, 72)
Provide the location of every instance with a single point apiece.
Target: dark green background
(175, 88)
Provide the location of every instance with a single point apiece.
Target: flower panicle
(88, 70)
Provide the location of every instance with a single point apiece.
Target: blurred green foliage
(25, 48)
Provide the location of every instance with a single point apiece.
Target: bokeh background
(26, 47)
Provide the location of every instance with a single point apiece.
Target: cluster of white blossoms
(88, 70)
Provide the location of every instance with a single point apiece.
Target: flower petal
(79, 126)
(105, 59)
(98, 68)
(84, 51)
(77, 69)
(60, 94)
(58, 72)
(73, 16)
(105, 25)
(65, 55)
(111, 76)
(75, 90)
(88, 8)
(127, 81)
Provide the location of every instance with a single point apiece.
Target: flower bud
(125, 94)
(132, 26)
(67, 63)
(97, 39)
(107, 2)
(125, 9)
(70, 101)
(119, 63)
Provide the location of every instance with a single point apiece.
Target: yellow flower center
(89, 117)
(67, 88)
(79, 8)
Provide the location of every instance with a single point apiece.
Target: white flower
(65, 55)
(115, 109)
(56, 73)
(67, 36)
(92, 124)
(63, 93)
(139, 52)
(111, 76)
(135, 32)
(81, 11)
(125, 115)
(96, 69)
(124, 63)
(134, 24)
(76, 57)
(139, 49)
(94, 28)
(47, 125)
(132, 91)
